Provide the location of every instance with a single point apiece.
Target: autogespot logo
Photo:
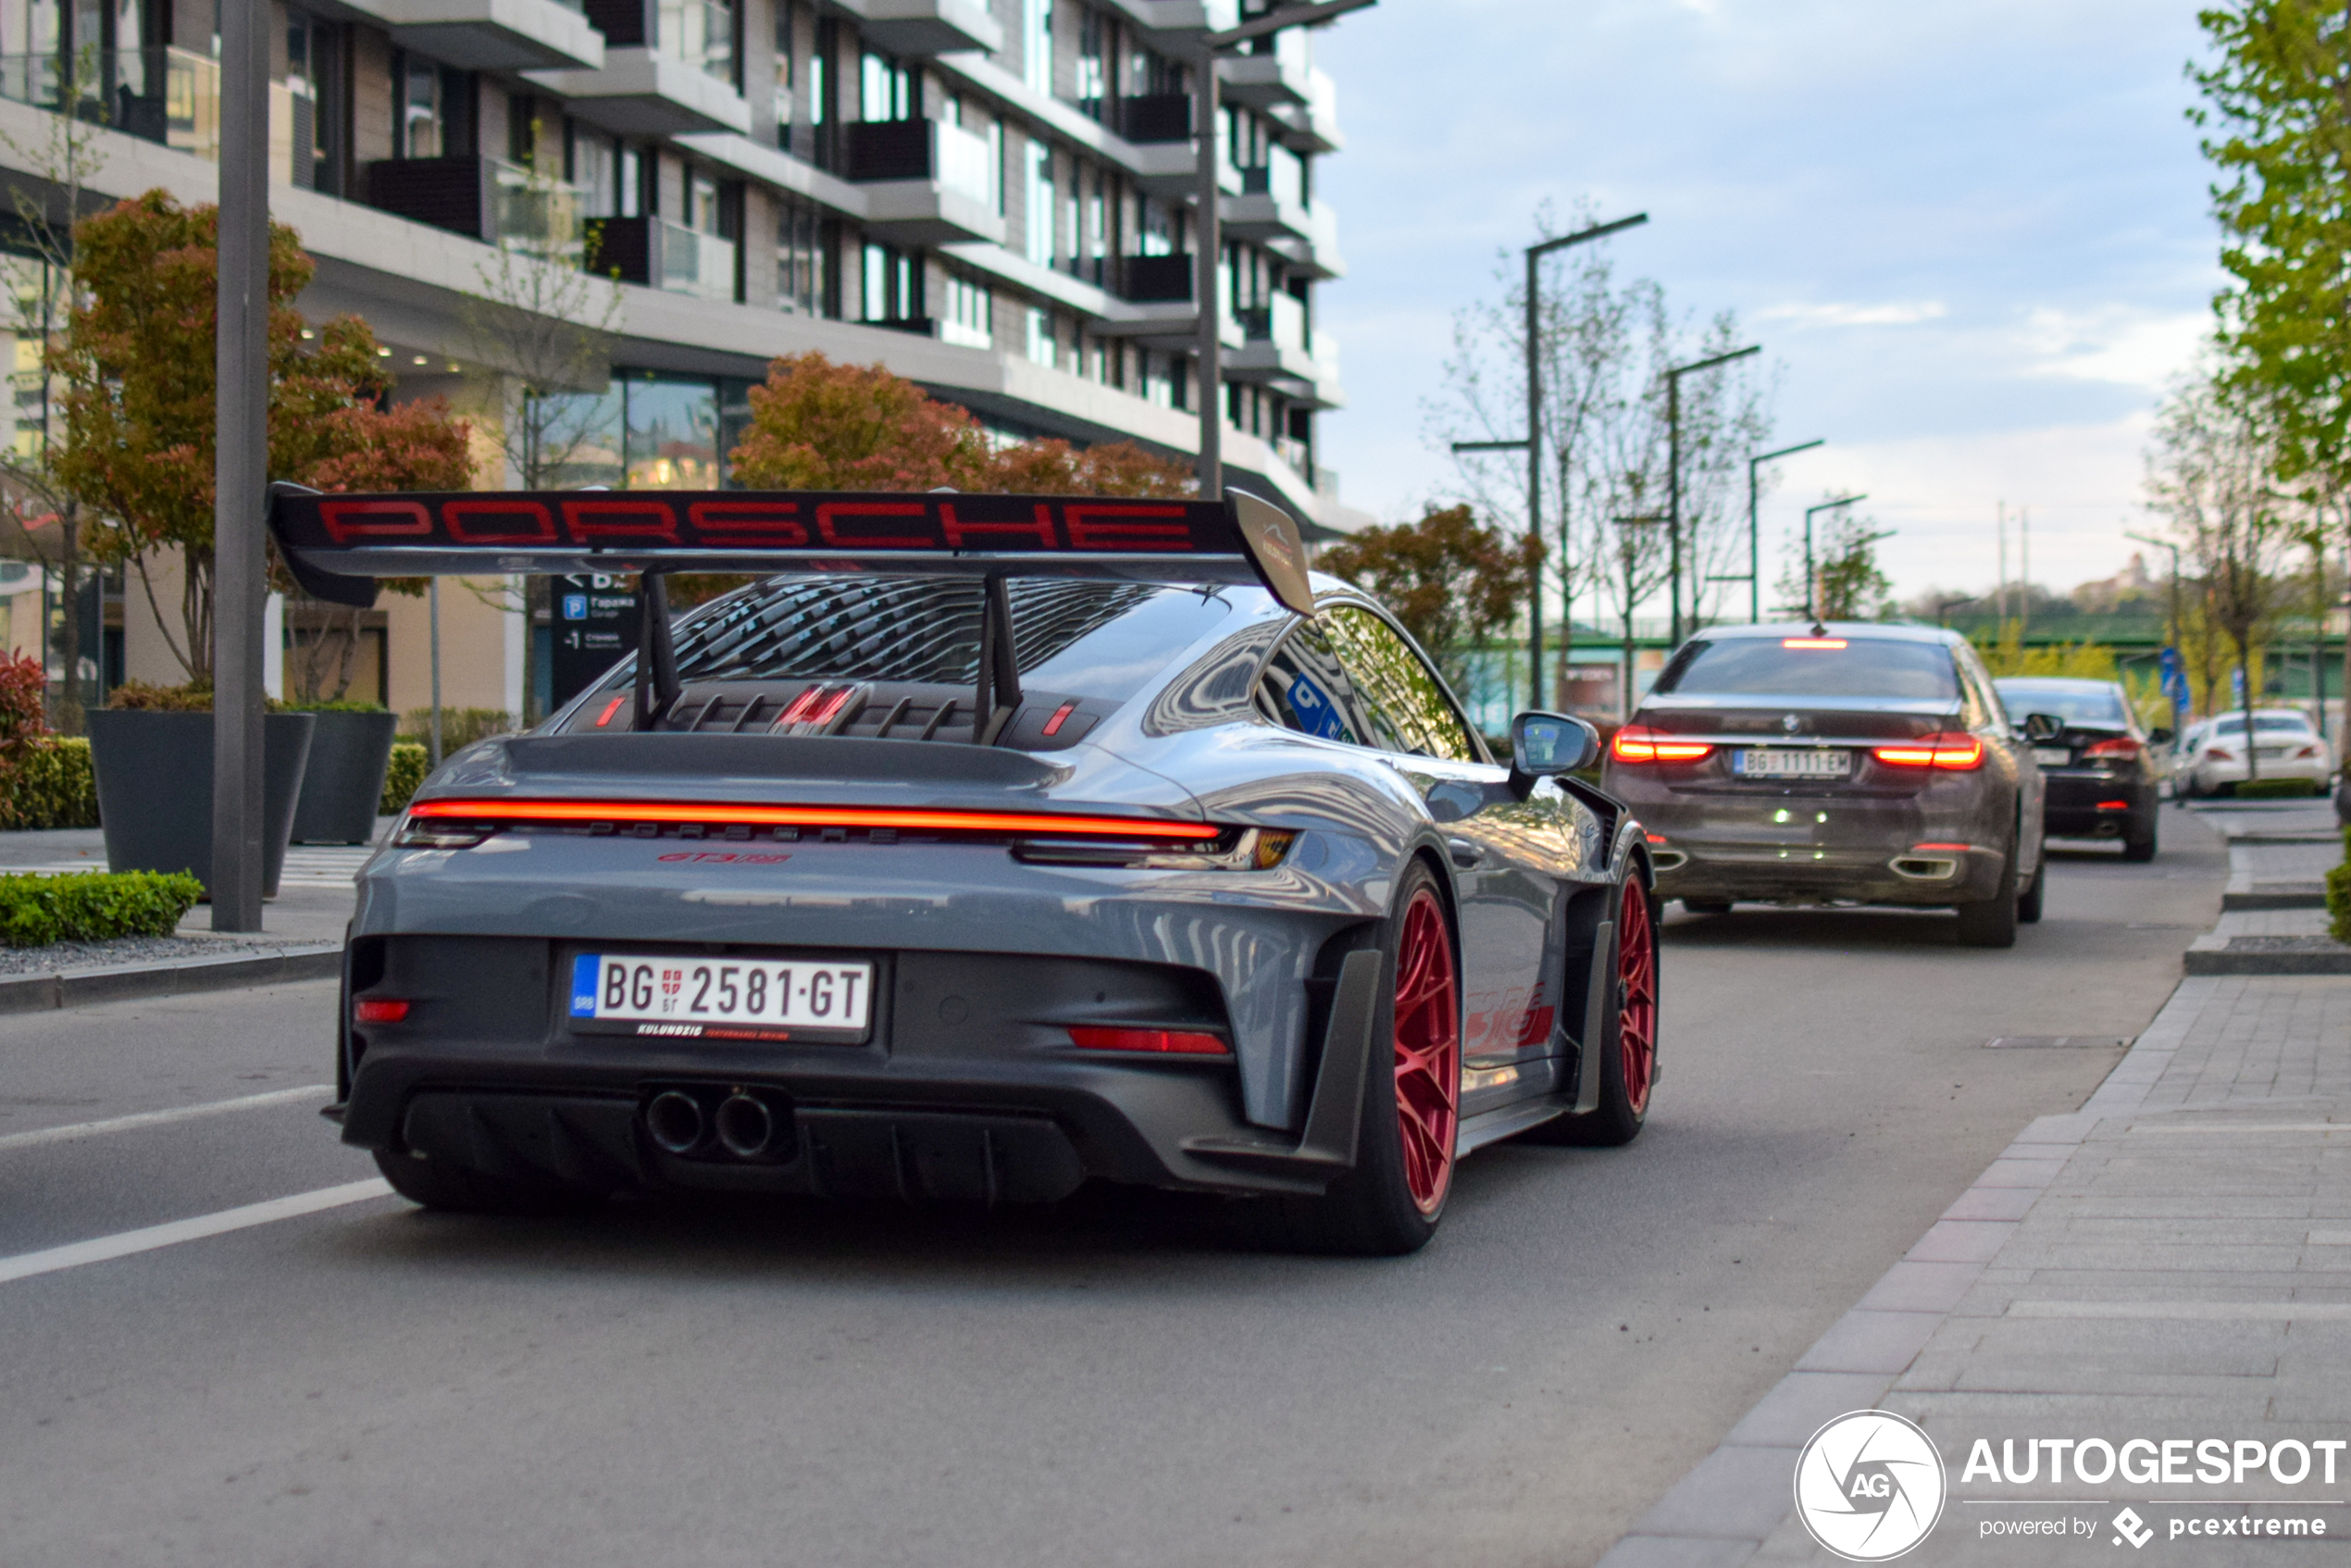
(1868, 1485)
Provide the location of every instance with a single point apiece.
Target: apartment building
(992, 197)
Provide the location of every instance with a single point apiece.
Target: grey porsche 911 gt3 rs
(996, 845)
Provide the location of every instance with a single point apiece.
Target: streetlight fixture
(1812, 578)
(1533, 446)
(1943, 606)
(1673, 471)
(1208, 378)
(1754, 550)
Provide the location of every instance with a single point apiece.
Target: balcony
(1315, 255)
(1267, 82)
(1155, 280)
(1264, 212)
(166, 97)
(919, 28)
(1311, 127)
(493, 34)
(486, 199)
(656, 254)
(1274, 347)
(642, 92)
(1157, 117)
(926, 182)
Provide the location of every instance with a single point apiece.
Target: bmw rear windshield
(1812, 666)
(1079, 638)
(2072, 701)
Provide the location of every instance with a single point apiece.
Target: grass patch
(2277, 789)
(93, 906)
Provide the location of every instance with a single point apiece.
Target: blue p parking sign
(575, 606)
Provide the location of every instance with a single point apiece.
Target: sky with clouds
(1974, 236)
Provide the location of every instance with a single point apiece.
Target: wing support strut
(656, 652)
(998, 691)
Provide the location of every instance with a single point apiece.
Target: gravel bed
(126, 950)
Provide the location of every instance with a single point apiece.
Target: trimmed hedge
(2278, 788)
(402, 777)
(93, 906)
(2339, 896)
(47, 782)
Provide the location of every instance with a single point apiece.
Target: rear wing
(336, 545)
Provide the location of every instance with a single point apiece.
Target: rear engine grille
(879, 710)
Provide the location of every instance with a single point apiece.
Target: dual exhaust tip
(735, 1122)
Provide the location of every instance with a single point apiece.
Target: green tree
(1451, 581)
(1847, 584)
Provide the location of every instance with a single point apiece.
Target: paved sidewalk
(2173, 1261)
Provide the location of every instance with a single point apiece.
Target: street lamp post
(1673, 475)
(1624, 697)
(1754, 550)
(1208, 379)
(1533, 446)
(1812, 578)
(2167, 545)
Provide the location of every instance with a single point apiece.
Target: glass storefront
(651, 430)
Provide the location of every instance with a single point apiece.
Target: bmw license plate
(779, 999)
(2052, 756)
(1759, 762)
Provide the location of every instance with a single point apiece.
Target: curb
(1732, 1502)
(2266, 956)
(76, 988)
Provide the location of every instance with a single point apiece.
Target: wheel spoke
(1426, 1051)
(1636, 998)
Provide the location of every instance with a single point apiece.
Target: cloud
(2134, 347)
(1854, 315)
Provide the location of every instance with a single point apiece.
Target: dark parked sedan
(2103, 770)
(1845, 763)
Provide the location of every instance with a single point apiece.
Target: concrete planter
(344, 780)
(154, 789)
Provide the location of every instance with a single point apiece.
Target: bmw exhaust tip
(675, 1121)
(745, 1127)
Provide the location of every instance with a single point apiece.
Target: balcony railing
(164, 96)
(488, 199)
(1154, 280)
(1281, 321)
(661, 254)
(700, 33)
(534, 214)
(1157, 117)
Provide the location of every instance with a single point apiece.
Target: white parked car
(2213, 760)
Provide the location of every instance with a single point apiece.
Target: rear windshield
(1081, 638)
(1765, 667)
(2234, 723)
(2075, 704)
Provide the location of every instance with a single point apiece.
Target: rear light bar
(2114, 805)
(1830, 643)
(1638, 742)
(2122, 746)
(507, 812)
(378, 1010)
(1953, 748)
(1172, 1042)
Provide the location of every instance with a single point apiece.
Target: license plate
(1757, 763)
(2052, 756)
(778, 999)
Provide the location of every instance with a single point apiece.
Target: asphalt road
(1122, 1382)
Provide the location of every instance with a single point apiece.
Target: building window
(633, 171)
(1037, 44)
(704, 208)
(595, 166)
(1158, 380)
(1093, 73)
(885, 91)
(1041, 204)
(700, 33)
(996, 181)
(1040, 338)
(893, 284)
(434, 103)
(968, 322)
(787, 34)
(802, 247)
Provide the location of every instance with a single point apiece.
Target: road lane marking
(106, 1248)
(39, 1136)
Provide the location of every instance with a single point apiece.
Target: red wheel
(1636, 1000)
(1428, 1051)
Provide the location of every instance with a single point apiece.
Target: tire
(2028, 903)
(1707, 906)
(2141, 848)
(456, 1189)
(1391, 1201)
(1628, 1041)
(1993, 922)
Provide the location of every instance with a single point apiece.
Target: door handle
(1465, 854)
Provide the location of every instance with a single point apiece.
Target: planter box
(345, 780)
(155, 789)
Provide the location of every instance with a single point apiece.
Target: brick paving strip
(2172, 1260)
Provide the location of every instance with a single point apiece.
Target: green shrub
(2277, 788)
(460, 728)
(47, 782)
(93, 906)
(405, 771)
(2339, 895)
(139, 696)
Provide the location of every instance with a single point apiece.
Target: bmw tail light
(2120, 749)
(1638, 742)
(1166, 1042)
(1953, 748)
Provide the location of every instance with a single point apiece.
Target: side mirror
(2160, 736)
(2043, 726)
(1544, 745)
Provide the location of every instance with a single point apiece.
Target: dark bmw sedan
(2103, 769)
(1854, 763)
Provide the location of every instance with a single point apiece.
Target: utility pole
(2024, 570)
(1754, 550)
(1208, 242)
(241, 462)
(1533, 445)
(1674, 478)
(2000, 522)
